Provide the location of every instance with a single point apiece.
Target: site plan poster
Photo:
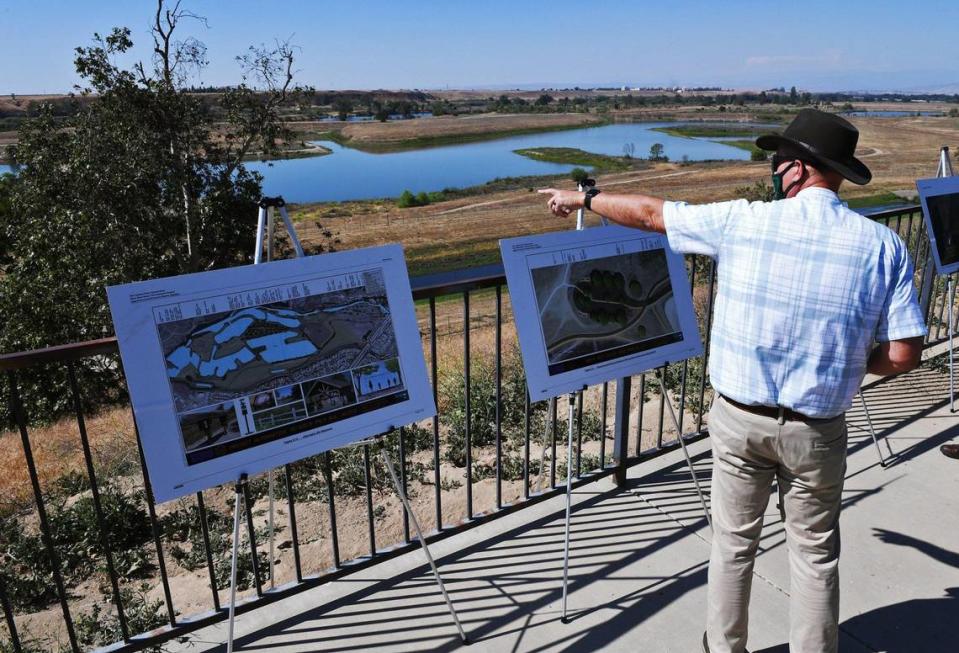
(242, 370)
(940, 209)
(596, 305)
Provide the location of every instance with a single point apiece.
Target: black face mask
(778, 191)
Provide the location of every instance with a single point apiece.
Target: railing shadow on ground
(509, 585)
(895, 403)
(500, 582)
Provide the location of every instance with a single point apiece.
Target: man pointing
(811, 296)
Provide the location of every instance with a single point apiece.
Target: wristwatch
(590, 194)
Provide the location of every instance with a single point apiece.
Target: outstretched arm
(639, 211)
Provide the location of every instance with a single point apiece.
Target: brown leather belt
(775, 412)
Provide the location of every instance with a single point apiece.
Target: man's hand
(639, 211)
(563, 202)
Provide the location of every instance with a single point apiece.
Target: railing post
(9, 617)
(621, 429)
(16, 406)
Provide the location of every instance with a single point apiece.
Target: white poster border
(934, 187)
(133, 307)
(517, 255)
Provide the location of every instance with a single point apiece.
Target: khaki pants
(808, 461)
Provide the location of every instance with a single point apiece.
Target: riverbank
(735, 136)
(708, 130)
(577, 157)
(449, 130)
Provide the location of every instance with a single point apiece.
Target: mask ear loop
(778, 192)
(792, 185)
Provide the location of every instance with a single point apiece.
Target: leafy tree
(139, 183)
(403, 108)
(544, 100)
(578, 175)
(656, 152)
(6, 215)
(343, 106)
(442, 108)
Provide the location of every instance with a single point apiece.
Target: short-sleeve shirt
(806, 287)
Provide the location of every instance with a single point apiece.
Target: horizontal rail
(423, 287)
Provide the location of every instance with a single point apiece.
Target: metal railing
(634, 424)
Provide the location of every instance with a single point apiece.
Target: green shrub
(101, 626)
(76, 537)
(483, 404)
(758, 192)
(406, 200)
(513, 410)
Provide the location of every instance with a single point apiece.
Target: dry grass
(471, 125)
(57, 453)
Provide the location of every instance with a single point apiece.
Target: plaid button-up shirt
(806, 288)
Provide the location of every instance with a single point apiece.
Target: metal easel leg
(291, 230)
(682, 444)
(260, 229)
(419, 534)
(271, 532)
(569, 500)
(270, 233)
(265, 229)
(872, 431)
(238, 498)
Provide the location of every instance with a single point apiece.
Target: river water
(349, 174)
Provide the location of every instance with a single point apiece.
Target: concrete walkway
(639, 558)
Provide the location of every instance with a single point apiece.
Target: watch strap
(588, 199)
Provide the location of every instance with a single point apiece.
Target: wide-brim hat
(823, 138)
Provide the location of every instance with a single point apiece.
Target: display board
(940, 209)
(245, 369)
(595, 305)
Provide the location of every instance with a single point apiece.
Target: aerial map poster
(241, 370)
(940, 208)
(597, 305)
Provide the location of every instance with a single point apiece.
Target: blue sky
(835, 45)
